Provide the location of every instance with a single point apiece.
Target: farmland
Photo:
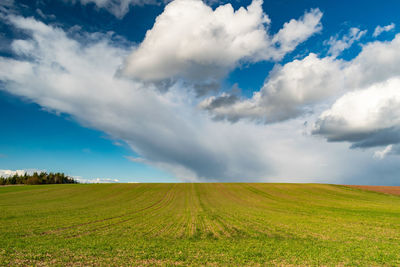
(192, 224)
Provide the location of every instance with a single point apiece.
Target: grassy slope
(198, 224)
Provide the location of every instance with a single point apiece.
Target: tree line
(38, 178)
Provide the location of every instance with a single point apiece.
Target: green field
(192, 224)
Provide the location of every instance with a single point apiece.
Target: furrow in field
(76, 226)
(238, 219)
(162, 203)
(173, 221)
(212, 226)
(227, 208)
(192, 210)
(181, 228)
(214, 208)
(153, 223)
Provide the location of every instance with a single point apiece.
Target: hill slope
(217, 224)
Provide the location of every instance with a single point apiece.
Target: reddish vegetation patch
(394, 190)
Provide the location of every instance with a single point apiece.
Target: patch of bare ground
(393, 190)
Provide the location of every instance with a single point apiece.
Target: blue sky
(291, 91)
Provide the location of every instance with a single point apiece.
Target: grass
(198, 224)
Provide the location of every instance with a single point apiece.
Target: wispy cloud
(380, 154)
(135, 159)
(337, 46)
(381, 29)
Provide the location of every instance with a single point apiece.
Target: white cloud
(380, 29)
(295, 32)
(301, 86)
(45, 16)
(95, 180)
(378, 61)
(380, 154)
(9, 173)
(290, 91)
(338, 46)
(192, 41)
(135, 159)
(368, 117)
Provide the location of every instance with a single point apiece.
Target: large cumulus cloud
(289, 91)
(191, 41)
(368, 117)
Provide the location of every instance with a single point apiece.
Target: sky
(201, 91)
